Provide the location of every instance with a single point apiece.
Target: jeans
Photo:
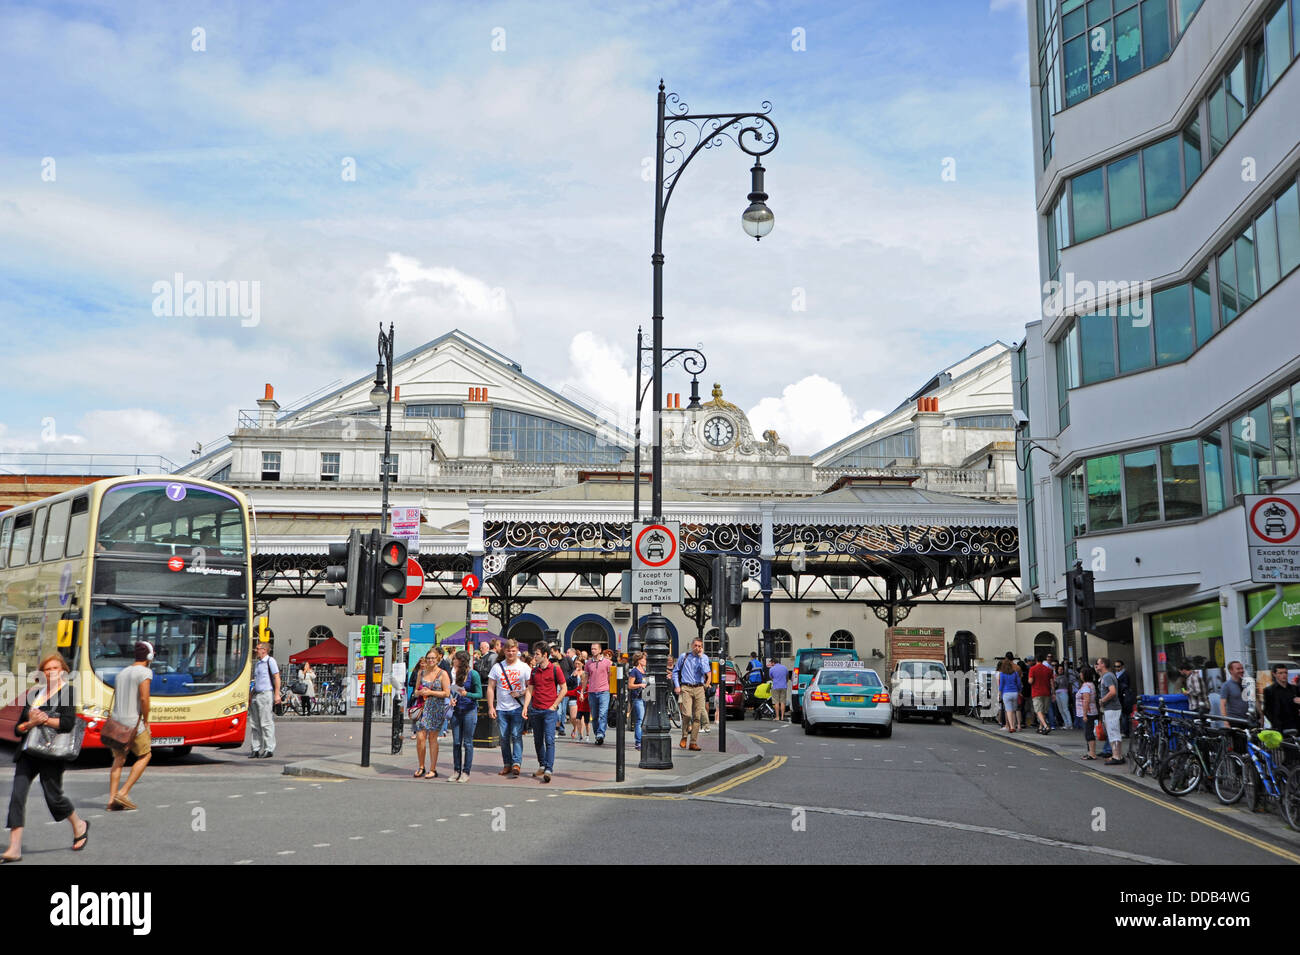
(463, 724)
(544, 738)
(1063, 707)
(599, 704)
(510, 726)
(638, 717)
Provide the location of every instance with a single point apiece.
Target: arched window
(782, 645)
(318, 634)
(526, 632)
(842, 640)
(589, 632)
(1044, 642)
(712, 642)
(531, 439)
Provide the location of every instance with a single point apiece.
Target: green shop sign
(1198, 622)
(1285, 614)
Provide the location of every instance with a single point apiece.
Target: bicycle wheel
(1141, 754)
(1229, 779)
(1254, 788)
(1180, 774)
(1291, 800)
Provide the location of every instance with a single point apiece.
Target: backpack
(484, 667)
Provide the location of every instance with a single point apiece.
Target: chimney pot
(270, 392)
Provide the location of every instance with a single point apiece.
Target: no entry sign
(1273, 537)
(414, 582)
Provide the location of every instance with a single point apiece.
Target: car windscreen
(922, 670)
(864, 678)
(812, 662)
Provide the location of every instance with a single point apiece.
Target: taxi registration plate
(853, 699)
(927, 707)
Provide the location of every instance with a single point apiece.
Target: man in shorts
(1112, 710)
(131, 708)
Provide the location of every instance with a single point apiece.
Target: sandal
(1087, 757)
(432, 775)
(417, 774)
(85, 835)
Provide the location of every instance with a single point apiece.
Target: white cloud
(810, 414)
(128, 429)
(404, 291)
(603, 371)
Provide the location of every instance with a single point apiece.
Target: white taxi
(845, 693)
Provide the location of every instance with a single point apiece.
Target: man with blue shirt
(265, 694)
(690, 676)
(780, 686)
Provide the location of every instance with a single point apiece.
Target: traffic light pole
(386, 361)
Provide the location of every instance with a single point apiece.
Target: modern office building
(1161, 382)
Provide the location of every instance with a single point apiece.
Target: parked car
(735, 694)
(807, 662)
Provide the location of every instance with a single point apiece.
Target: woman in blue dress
(433, 687)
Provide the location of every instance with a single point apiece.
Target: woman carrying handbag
(48, 725)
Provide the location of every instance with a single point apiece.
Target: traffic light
(1080, 599)
(728, 591)
(389, 578)
(348, 567)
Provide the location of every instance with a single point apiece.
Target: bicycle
(1265, 778)
(674, 711)
(1195, 763)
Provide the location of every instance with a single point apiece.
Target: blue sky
(500, 191)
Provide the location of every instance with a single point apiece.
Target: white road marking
(464, 814)
(530, 800)
(321, 845)
(235, 796)
(289, 789)
(285, 852)
(192, 802)
(552, 795)
(244, 862)
(415, 825)
(916, 760)
(356, 838)
(441, 820)
(857, 759)
(385, 832)
(260, 792)
(944, 824)
(983, 765)
(164, 806)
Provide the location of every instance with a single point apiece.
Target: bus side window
(38, 535)
(78, 526)
(22, 538)
(6, 537)
(56, 535)
(8, 633)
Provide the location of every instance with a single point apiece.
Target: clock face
(719, 432)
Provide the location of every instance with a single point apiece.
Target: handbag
(49, 743)
(299, 688)
(416, 709)
(117, 732)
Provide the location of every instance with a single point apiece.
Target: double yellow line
(753, 774)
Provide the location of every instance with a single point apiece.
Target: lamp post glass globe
(757, 220)
(379, 393)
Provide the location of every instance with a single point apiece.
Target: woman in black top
(52, 705)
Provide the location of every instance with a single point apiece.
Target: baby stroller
(760, 698)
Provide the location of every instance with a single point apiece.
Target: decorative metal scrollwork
(753, 568)
(900, 612)
(493, 564)
(686, 133)
(899, 540)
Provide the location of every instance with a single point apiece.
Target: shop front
(1194, 634)
(1280, 629)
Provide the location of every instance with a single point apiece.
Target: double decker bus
(89, 572)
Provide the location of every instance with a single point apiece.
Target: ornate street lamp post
(380, 394)
(756, 135)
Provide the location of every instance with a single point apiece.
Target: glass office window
(1218, 110)
(1281, 434)
(1250, 435)
(1266, 249)
(1162, 175)
(1101, 57)
(1215, 495)
(536, 440)
(1202, 308)
(1104, 510)
(1141, 492)
(1099, 11)
(1076, 70)
(1088, 205)
(1256, 72)
(1173, 321)
(1277, 43)
(1180, 479)
(1186, 10)
(1227, 286)
(329, 465)
(1124, 183)
(1155, 31)
(1128, 44)
(1288, 222)
(1247, 289)
(1097, 347)
(1074, 505)
(1235, 87)
(1134, 341)
(1192, 150)
(1067, 375)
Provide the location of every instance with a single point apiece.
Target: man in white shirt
(506, 690)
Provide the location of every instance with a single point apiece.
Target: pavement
(1069, 745)
(579, 766)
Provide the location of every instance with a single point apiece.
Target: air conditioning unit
(622, 614)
